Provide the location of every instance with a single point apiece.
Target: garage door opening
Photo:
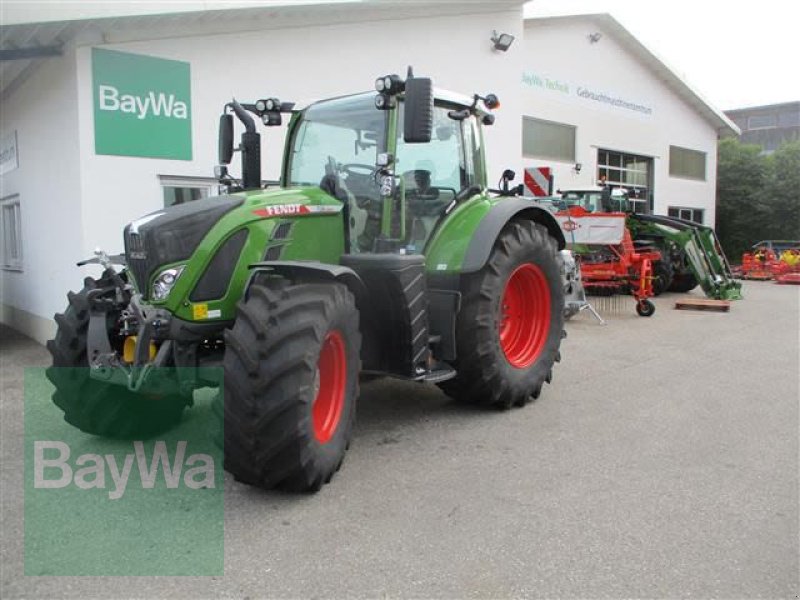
(631, 172)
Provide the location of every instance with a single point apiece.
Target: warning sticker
(199, 311)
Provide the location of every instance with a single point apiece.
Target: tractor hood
(171, 235)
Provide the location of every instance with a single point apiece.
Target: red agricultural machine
(772, 260)
(610, 262)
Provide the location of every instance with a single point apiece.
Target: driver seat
(333, 185)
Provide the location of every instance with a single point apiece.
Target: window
(178, 190)
(762, 121)
(789, 118)
(630, 172)
(434, 173)
(688, 214)
(548, 139)
(11, 224)
(690, 164)
(443, 158)
(343, 131)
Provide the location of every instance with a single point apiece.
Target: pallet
(703, 304)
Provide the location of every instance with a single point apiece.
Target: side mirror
(225, 138)
(418, 111)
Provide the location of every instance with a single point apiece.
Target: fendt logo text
(89, 470)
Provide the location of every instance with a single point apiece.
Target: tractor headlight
(165, 280)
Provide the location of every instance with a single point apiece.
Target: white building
(78, 163)
(599, 106)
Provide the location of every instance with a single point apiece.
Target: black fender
(480, 246)
(310, 271)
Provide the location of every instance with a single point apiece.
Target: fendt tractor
(381, 253)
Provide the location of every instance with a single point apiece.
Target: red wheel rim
(524, 316)
(330, 382)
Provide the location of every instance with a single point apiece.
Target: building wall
(44, 113)
(563, 54)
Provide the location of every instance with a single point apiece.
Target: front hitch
(105, 363)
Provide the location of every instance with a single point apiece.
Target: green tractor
(691, 256)
(381, 253)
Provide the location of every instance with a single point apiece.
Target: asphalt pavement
(661, 462)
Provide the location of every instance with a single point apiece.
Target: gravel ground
(662, 462)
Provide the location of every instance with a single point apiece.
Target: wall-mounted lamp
(502, 41)
(578, 167)
(595, 37)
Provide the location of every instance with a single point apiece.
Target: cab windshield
(335, 147)
(344, 132)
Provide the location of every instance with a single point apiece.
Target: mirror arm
(241, 114)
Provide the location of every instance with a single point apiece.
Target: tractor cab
(397, 170)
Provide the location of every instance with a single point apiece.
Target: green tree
(782, 198)
(742, 175)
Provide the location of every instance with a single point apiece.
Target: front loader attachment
(704, 255)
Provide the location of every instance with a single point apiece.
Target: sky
(735, 53)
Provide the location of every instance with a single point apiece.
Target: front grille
(135, 245)
(136, 257)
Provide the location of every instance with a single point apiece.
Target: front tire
(291, 371)
(92, 406)
(510, 326)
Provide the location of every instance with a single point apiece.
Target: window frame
(611, 164)
(692, 210)
(210, 185)
(772, 125)
(551, 156)
(671, 169)
(10, 263)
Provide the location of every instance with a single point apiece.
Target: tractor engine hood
(171, 235)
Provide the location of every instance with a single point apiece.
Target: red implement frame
(627, 268)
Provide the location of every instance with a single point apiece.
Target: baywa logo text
(54, 468)
(156, 103)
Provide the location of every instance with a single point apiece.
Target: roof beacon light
(491, 102)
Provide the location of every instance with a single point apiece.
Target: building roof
(795, 105)
(648, 58)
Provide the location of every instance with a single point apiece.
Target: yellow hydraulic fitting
(129, 349)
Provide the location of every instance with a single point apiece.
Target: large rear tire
(510, 326)
(291, 371)
(93, 406)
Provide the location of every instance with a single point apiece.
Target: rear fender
(487, 232)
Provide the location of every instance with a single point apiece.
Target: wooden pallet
(703, 304)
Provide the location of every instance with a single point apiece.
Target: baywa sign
(142, 105)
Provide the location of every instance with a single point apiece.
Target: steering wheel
(357, 169)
